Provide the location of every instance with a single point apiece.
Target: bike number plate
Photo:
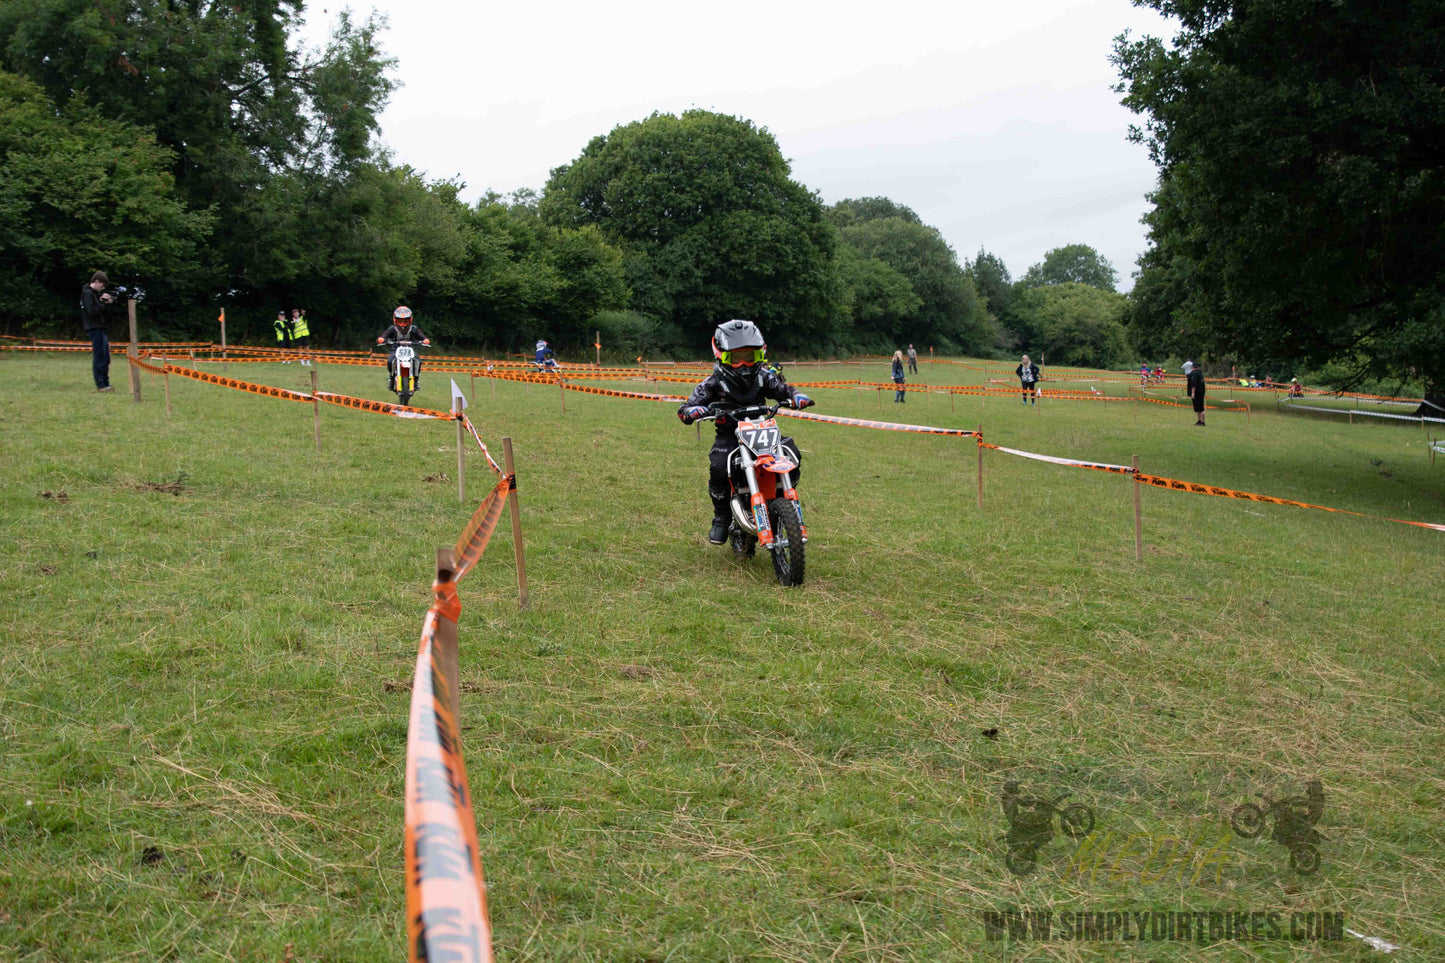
(759, 436)
(404, 353)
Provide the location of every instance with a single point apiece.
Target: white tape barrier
(1289, 403)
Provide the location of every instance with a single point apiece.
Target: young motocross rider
(402, 330)
(739, 378)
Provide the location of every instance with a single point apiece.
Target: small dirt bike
(1031, 826)
(403, 376)
(764, 502)
(1294, 825)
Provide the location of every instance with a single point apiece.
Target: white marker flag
(457, 393)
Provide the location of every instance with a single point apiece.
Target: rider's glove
(690, 414)
(426, 341)
(381, 341)
(801, 400)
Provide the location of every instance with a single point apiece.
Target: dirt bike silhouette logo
(1294, 825)
(1031, 825)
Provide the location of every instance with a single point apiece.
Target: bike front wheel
(787, 544)
(1247, 820)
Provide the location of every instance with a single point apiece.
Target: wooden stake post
(979, 439)
(516, 522)
(166, 377)
(1138, 517)
(461, 451)
(316, 408)
(598, 345)
(133, 353)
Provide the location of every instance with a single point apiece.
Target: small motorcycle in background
(1294, 825)
(1031, 825)
(764, 502)
(403, 377)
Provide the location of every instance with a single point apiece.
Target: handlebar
(746, 411)
(393, 343)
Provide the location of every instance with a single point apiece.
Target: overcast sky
(995, 122)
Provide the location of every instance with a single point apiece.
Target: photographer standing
(94, 301)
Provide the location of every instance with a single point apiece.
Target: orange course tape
(478, 531)
(446, 904)
(255, 389)
(1174, 484)
(382, 407)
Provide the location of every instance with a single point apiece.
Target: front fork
(760, 507)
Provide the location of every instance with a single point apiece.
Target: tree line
(194, 149)
(193, 146)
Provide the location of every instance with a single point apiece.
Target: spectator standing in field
(1194, 384)
(912, 360)
(899, 394)
(300, 333)
(283, 334)
(1028, 373)
(94, 301)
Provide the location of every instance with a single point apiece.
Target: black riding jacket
(92, 309)
(763, 383)
(412, 333)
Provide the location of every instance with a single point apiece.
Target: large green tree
(1072, 263)
(78, 192)
(951, 315)
(713, 225)
(257, 134)
(991, 277)
(1075, 324)
(1300, 212)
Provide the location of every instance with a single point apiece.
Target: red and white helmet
(402, 316)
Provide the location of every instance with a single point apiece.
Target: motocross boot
(722, 519)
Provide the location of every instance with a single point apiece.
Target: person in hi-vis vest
(300, 333)
(283, 333)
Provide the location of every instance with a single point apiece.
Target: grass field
(203, 690)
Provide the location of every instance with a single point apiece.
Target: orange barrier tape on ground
(153, 369)
(615, 393)
(1174, 484)
(446, 904)
(224, 382)
(473, 540)
(381, 407)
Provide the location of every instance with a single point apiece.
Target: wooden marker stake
(474, 387)
(562, 389)
(979, 439)
(316, 408)
(516, 522)
(133, 353)
(1138, 517)
(166, 377)
(461, 452)
(598, 345)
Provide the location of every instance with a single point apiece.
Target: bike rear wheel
(787, 548)
(1247, 820)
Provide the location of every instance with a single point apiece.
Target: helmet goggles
(743, 357)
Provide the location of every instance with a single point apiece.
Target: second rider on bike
(402, 331)
(739, 378)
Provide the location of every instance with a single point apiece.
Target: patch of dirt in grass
(59, 496)
(169, 488)
(440, 476)
(636, 672)
(48, 569)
